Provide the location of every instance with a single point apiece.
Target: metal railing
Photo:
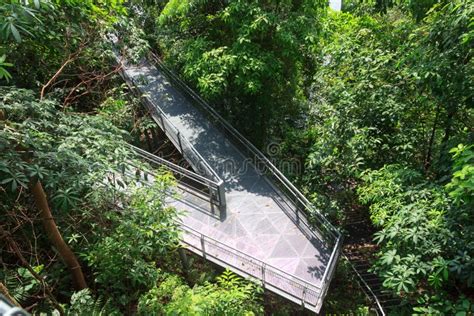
(366, 289)
(201, 187)
(181, 143)
(299, 206)
(291, 287)
(283, 283)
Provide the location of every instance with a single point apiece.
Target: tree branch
(55, 237)
(72, 57)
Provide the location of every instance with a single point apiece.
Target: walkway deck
(256, 221)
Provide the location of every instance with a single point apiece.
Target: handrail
(182, 143)
(268, 274)
(334, 235)
(264, 272)
(240, 253)
(371, 295)
(156, 159)
(212, 186)
(329, 272)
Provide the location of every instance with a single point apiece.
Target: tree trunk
(56, 239)
(431, 140)
(148, 140)
(53, 233)
(444, 156)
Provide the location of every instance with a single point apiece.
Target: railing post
(263, 275)
(303, 299)
(297, 215)
(222, 202)
(162, 123)
(180, 145)
(203, 247)
(211, 198)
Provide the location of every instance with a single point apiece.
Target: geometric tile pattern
(255, 222)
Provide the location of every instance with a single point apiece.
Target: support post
(184, 260)
(155, 138)
(304, 296)
(148, 140)
(222, 202)
(263, 275)
(203, 246)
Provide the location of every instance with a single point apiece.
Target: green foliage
(84, 304)
(461, 190)
(461, 187)
(441, 61)
(124, 258)
(417, 8)
(347, 299)
(249, 56)
(386, 92)
(70, 153)
(103, 10)
(119, 108)
(21, 283)
(440, 305)
(134, 46)
(363, 111)
(376, 98)
(4, 74)
(425, 237)
(414, 235)
(50, 32)
(230, 295)
(19, 18)
(369, 103)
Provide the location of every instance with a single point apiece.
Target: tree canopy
(375, 103)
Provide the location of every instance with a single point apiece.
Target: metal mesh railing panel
(296, 288)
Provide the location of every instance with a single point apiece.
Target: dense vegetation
(377, 108)
(374, 102)
(69, 241)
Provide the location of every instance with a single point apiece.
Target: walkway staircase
(360, 250)
(240, 211)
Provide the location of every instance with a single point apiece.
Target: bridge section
(254, 219)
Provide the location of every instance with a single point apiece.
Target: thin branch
(96, 80)
(72, 57)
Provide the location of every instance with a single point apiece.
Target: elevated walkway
(245, 215)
